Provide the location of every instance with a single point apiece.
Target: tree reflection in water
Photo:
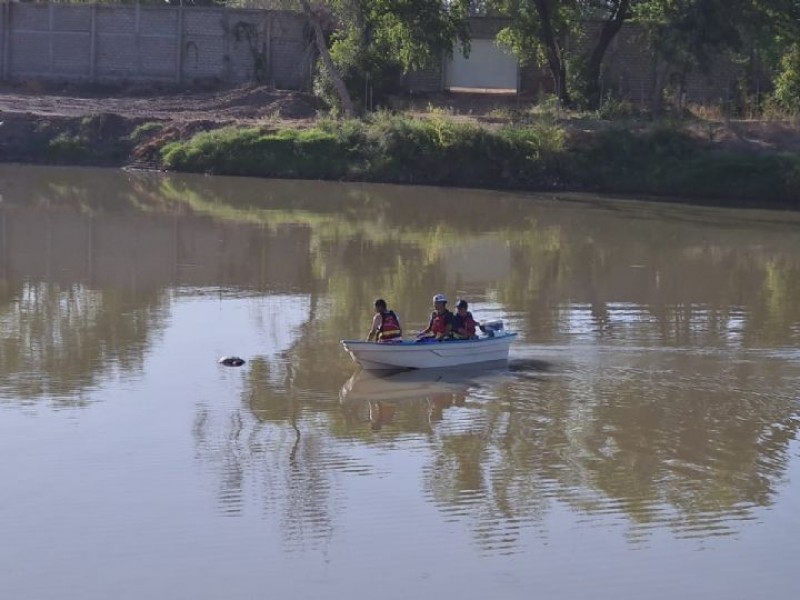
(664, 404)
(61, 342)
(615, 436)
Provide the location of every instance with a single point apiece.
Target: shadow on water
(529, 367)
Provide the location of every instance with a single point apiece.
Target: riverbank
(656, 159)
(232, 133)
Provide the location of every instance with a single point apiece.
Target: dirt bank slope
(44, 123)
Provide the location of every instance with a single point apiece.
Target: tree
(687, 35)
(779, 45)
(316, 16)
(377, 35)
(539, 32)
(614, 13)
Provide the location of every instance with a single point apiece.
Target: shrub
(665, 159)
(787, 84)
(614, 109)
(144, 131)
(289, 153)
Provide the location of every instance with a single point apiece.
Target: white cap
(440, 298)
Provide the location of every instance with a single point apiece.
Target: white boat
(430, 355)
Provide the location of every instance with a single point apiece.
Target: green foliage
(526, 34)
(384, 147)
(614, 109)
(288, 153)
(665, 159)
(415, 33)
(145, 130)
(787, 84)
(377, 41)
(755, 34)
(619, 158)
(686, 34)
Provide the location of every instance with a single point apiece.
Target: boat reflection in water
(377, 396)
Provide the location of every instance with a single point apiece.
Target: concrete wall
(190, 44)
(154, 43)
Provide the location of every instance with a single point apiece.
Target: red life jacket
(469, 324)
(439, 322)
(390, 326)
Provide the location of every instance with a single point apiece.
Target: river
(643, 441)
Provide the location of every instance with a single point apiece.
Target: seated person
(463, 324)
(441, 323)
(385, 324)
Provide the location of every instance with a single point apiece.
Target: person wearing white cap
(441, 323)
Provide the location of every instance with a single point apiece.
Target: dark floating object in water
(231, 361)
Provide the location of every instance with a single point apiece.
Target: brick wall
(154, 43)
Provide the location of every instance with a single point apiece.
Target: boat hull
(431, 355)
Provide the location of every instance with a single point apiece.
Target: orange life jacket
(390, 326)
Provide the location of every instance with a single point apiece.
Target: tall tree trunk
(660, 77)
(325, 55)
(555, 58)
(610, 29)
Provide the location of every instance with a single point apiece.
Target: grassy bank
(657, 159)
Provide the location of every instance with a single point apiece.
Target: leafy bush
(289, 153)
(787, 84)
(144, 131)
(614, 109)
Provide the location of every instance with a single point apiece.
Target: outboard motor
(491, 327)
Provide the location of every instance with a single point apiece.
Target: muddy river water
(641, 443)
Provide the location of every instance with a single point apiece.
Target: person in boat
(464, 325)
(385, 324)
(440, 325)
